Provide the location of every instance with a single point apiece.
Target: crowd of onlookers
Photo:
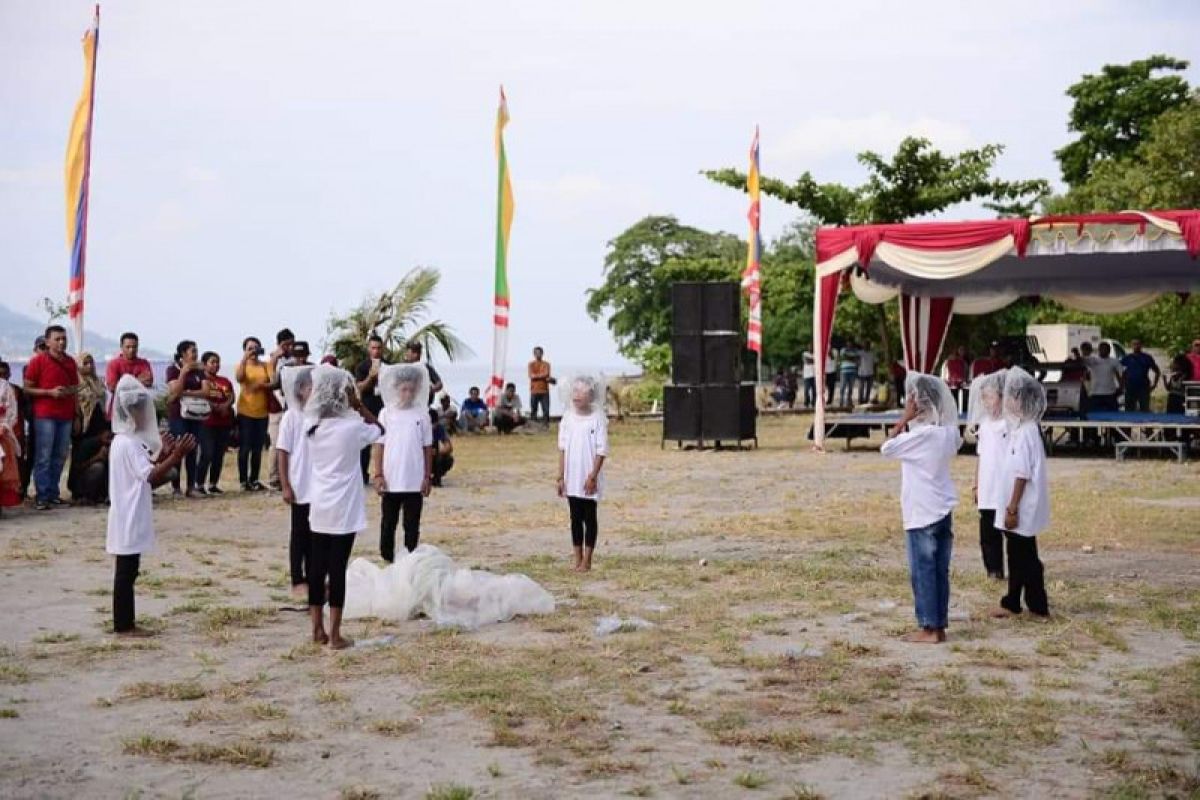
(58, 418)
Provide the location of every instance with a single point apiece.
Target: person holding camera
(253, 408)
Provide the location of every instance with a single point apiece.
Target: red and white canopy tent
(1100, 263)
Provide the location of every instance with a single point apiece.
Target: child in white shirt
(402, 462)
(336, 436)
(991, 437)
(291, 448)
(582, 449)
(927, 496)
(138, 461)
(1027, 505)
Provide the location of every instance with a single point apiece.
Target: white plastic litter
(606, 626)
(426, 582)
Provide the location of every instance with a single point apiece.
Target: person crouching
(927, 496)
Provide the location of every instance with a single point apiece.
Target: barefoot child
(991, 435)
(291, 449)
(336, 436)
(582, 448)
(1027, 501)
(138, 461)
(402, 461)
(927, 496)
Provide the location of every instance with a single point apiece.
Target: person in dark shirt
(1138, 365)
(443, 449)
(366, 377)
(412, 355)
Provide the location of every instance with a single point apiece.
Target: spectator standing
(866, 373)
(281, 356)
(507, 416)
(1194, 358)
(1181, 373)
(1104, 373)
(253, 409)
(848, 373)
(899, 375)
(539, 386)
(474, 412)
(189, 403)
(1137, 366)
(18, 414)
(366, 381)
(954, 373)
(831, 374)
(412, 355)
(128, 362)
(986, 365)
(10, 447)
(810, 380)
(51, 383)
(214, 431)
(87, 477)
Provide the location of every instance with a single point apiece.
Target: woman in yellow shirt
(253, 409)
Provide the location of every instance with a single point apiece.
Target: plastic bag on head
(296, 382)
(133, 413)
(394, 381)
(935, 403)
(586, 385)
(987, 398)
(1024, 397)
(329, 398)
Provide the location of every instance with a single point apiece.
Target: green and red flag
(504, 217)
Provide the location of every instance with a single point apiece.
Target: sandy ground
(774, 670)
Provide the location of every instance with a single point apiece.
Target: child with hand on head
(402, 461)
(336, 436)
(991, 435)
(1026, 510)
(292, 453)
(139, 460)
(582, 450)
(927, 496)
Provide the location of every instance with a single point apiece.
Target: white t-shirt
(293, 442)
(866, 364)
(991, 439)
(927, 493)
(409, 432)
(808, 372)
(130, 519)
(830, 366)
(336, 485)
(582, 439)
(1025, 457)
(1104, 373)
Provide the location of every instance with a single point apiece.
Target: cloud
(821, 137)
(577, 194)
(41, 175)
(197, 174)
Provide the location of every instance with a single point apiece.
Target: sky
(263, 164)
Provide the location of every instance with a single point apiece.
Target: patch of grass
(9, 713)
(598, 767)
(279, 735)
(494, 769)
(13, 673)
(146, 690)
(1174, 696)
(188, 607)
(235, 754)
(331, 696)
(802, 792)
(360, 793)
(202, 714)
(265, 711)
(393, 727)
(450, 791)
(223, 617)
(57, 637)
(644, 790)
(784, 740)
(751, 780)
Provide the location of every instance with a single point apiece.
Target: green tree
(398, 316)
(1113, 111)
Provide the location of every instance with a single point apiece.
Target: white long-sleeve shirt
(927, 493)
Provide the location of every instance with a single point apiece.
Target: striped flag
(752, 275)
(78, 171)
(504, 217)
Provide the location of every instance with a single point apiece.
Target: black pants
(991, 543)
(213, 443)
(252, 437)
(301, 542)
(1137, 399)
(327, 558)
(178, 427)
(542, 400)
(442, 463)
(583, 522)
(123, 579)
(364, 463)
(1025, 575)
(393, 503)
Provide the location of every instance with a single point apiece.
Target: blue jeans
(847, 391)
(53, 438)
(178, 427)
(929, 551)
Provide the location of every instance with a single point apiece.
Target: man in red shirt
(128, 363)
(986, 365)
(51, 382)
(1194, 357)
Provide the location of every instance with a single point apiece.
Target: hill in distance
(17, 332)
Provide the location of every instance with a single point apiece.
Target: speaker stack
(706, 400)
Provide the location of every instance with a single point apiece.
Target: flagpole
(78, 172)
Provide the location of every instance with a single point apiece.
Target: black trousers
(252, 437)
(125, 575)
(584, 529)
(327, 558)
(536, 400)
(364, 463)
(991, 543)
(213, 443)
(1025, 576)
(442, 463)
(301, 542)
(393, 503)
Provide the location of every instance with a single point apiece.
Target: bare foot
(587, 567)
(923, 636)
(1000, 612)
(341, 642)
(136, 633)
(320, 637)
(941, 634)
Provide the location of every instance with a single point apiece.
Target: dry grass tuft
(235, 754)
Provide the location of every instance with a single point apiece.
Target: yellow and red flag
(78, 174)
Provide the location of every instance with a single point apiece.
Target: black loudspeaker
(727, 413)
(722, 307)
(681, 412)
(687, 358)
(687, 308)
(722, 358)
